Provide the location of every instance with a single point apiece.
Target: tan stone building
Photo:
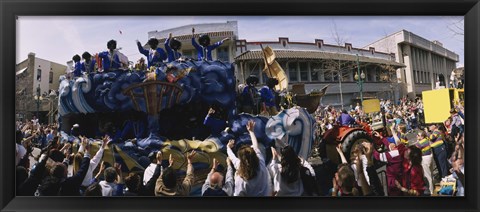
(36, 78)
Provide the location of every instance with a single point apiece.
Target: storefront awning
(290, 54)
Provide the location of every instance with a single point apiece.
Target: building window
(335, 75)
(254, 69)
(315, 72)
(292, 72)
(348, 46)
(223, 54)
(303, 71)
(39, 74)
(377, 75)
(50, 77)
(327, 75)
(370, 75)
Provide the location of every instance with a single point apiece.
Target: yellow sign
(437, 103)
(371, 105)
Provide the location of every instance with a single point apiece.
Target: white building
(316, 64)
(425, 61)
(216, 31)
(303, 62)
(400, 64)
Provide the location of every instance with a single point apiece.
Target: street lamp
(38, 98)
(52, 98)
(360, 80)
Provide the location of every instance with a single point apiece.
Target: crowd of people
(60, 169)
(410, 163)
(64, 167)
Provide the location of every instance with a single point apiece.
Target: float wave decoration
(195, 84)
(294, 127)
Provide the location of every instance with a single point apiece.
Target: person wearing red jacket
(394, 158)
(412, 179)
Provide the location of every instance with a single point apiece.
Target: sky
(58, 38)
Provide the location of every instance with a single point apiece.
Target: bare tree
(457, 27)
(338, 65)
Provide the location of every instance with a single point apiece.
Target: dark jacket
(71, 186)
(30, 185)
(375, 183)
(149, 188)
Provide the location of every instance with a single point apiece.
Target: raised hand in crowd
(211, 111)
(366, 190)
(274, 153)
(340, 153)
(229, 162)
(170, 161)
(118, 169)
(100, 170)
(250, 128)
(215, 164)
(231, 143)
(106, 141)
(66, 148)
(368, 152)
(250, 125)
(190, 156)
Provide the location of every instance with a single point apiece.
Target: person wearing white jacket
(93, 162)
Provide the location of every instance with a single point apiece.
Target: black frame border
(10, 9)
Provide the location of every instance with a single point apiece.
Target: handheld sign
(371, 105)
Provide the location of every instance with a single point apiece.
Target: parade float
(163, 109)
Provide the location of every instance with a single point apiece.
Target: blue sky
(59, 38)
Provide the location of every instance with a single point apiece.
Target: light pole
(52, 98)
(359, 78)
(38, 98)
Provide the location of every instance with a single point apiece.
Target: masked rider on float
(205, 49)
(155, 55)
(172, 46)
